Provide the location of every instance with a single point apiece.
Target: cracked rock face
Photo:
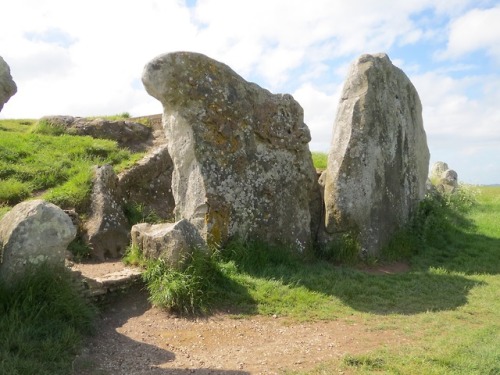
(379, 159)
(242, 165)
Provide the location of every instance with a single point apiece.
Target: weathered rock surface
(171, 242)
(149, 183)
(379, 159)
(443, 178)
(7, 85)
(242, 165)
(106, 230)
(448, 181)
(127, 134)
(437, 170)
(33, 232)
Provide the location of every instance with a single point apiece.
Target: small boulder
(448, 181)
(171, 242)
(7, 85)
(33, 232)
(379, 159)
(106, 231)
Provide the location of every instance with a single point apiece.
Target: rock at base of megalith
(242, 165)
(379, 159)
(170, 242)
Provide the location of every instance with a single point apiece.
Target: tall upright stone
(242, 165)
(7, 85)
(379, 159)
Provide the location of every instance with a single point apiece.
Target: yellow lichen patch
(217, 221)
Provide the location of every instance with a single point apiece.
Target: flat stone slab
(101, 279)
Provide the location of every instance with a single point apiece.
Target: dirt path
(135, 338)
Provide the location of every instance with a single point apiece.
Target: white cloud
(478, 29)
(319, 113)
(86, 57)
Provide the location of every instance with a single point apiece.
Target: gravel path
(135, 338)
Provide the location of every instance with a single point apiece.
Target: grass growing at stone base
(57, 166)
(42, 322)
(446, 306)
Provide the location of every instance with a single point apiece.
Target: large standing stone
(242, 165)
(107, 229)
(33, 232)
(379, 159)
(7, 85)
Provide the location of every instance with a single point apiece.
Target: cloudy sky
(85, 58)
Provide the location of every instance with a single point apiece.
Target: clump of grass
(436, 221)
(47, 127)
(320, 160)
(13, 191)
(42, 322)
(139, 213)
(344, 248)
(189, 290)
(79, 249)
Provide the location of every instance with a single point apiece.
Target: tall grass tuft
(436, 222)
(189, 290)
(42, 321)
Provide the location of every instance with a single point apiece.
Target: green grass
(42, 322)
(55, 167)
(320, 159)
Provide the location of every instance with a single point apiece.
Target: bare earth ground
(133, 337)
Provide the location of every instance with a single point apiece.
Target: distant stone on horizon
(379, 159)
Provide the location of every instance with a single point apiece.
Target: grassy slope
(447, 306)
(59, 166)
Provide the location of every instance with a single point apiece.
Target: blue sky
(85, 58)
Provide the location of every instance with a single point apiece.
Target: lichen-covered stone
(149, 183)
(32, 233)
(106, 231)
(242, 165)
(379, 159)
(171, 242)
(7, 85)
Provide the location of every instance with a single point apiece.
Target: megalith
(7, 85)
(107, 230)
(379, 160)
(242, 165)
(32, 233)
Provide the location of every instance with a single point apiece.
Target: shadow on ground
(109, 352)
